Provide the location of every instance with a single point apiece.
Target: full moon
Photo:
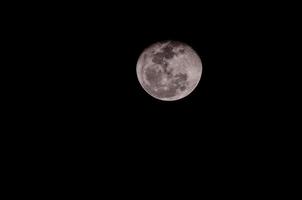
(169, 70)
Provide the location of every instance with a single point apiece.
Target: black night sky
(84, 113)
(90, 83)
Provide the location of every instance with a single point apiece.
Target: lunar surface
(169, 70)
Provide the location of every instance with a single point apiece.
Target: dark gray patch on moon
(158, 58)
(180, 81)
(180, 77)
(181, 51)
(152, 76)
(168, 52)
(165, 53)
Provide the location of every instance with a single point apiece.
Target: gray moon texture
(169, 70)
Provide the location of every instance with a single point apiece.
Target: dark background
(89, 68)
(82, 63)
(84, 107)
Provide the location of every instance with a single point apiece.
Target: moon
(169, 70)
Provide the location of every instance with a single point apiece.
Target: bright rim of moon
(169, 70)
